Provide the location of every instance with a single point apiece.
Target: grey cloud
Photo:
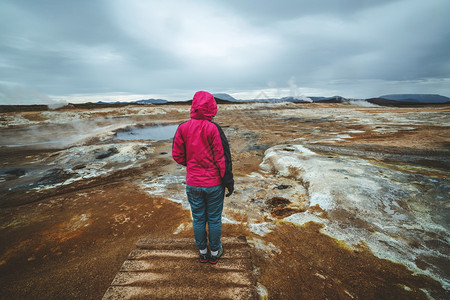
(267, 10)
(74, 47)
(53, 44)
(378, 44)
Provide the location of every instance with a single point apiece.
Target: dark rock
(257, 147)
(282, 187)
(279, 207)
(277, 202)
(104, 154)
(16, 172)
(78, 167)
(54, 176)
(250, 135)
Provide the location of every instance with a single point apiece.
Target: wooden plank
(139, 278)
(169, 268)
(147, 279)
(141, 254)
(168, 264)
(184, 243)
(162, 292)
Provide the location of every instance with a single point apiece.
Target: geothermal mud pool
(337, 201)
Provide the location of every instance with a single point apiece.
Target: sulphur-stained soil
(72, 245)
(311, 265)
(336, 201)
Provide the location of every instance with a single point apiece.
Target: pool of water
(158, 132)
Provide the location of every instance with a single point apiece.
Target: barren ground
(66, 239)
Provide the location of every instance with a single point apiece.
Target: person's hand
(230, 189)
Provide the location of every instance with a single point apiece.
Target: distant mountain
(279, 100)
(103, 102)
(226, 97)
(223, 98)
(417, 98)
(151, 101)
(147, 101)
(333, 99)
(296, 99)
(110, 103)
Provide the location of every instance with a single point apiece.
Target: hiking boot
(213, 259)
(203, 257)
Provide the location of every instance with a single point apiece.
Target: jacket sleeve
(223, 157)
(179, 148)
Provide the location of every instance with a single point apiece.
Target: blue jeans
(206, 207)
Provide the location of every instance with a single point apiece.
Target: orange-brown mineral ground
(69, 241)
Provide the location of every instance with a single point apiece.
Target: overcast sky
(90, 50)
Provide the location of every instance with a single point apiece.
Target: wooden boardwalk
(170, 269)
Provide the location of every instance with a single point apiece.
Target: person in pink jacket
(201, 146)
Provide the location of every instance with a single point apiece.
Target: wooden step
(183, 243)
(170, 269)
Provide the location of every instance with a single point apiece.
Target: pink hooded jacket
(201, 146)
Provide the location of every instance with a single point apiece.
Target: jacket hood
(204, 106)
